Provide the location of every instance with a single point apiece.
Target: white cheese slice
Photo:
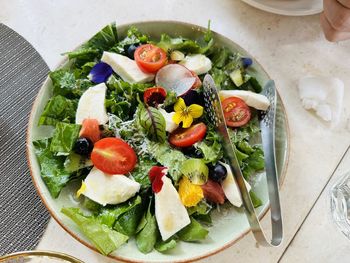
(231, 189)
(252, 99)
(198, 63)
(170, 125)
(324, 95)
(126, 68)
(171, 214)
(91, 105)
(108, 189)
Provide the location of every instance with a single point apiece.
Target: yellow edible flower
(186, 114)
(190, 194)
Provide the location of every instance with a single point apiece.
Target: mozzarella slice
(171, 214)
(126, 68)
(198, 63)
(108, 189)
(252, 99)
(230, 187)
(170, 125)
(324, 95)
(92, 105)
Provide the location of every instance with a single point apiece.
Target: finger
(345, 3)
(337, 15)
(330, 33)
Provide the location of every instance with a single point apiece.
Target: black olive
(130, 50)
(218, 173)
(83, 146)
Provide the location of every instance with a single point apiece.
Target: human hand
(335, 19)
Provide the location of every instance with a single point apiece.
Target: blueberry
(130, 50)
(246, 62)
(83, 146)
(218, 173)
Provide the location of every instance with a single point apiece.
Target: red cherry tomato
(113, 156)
(187, 137)
(154, 96)
(90, 129)
(236, 112)
(150, 58)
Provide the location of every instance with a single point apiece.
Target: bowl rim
(121, 258)
(53, 254)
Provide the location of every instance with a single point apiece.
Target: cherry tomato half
(236, 112)
(154, 96)
(187, 137)
(150, 58)
(113, 156)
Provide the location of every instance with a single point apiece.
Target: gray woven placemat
(23, 218)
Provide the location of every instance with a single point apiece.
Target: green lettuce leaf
(140, 172)
(152, 122)
(64, 137)
(128, 222)
(121, 99)
(164, 246)
(51, 167)
(65, 84)
(210, 147)
(105, 239)
(168, 157)
(193, 232)
(109, 215)
(147, 236)
(133, 36)
(58, 109)
(255, 199)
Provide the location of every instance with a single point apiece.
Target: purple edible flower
(100, 72)
(246, 62)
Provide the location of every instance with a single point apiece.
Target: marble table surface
(288, 48)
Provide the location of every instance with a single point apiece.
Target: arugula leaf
(106, 38)
(152, 122)
(109, 215)
(51, 167)
(220, 57)
(193, 232)
(167, 157)
(64, 137)
(210, 147)
(58, 109)
(147, 237)
(164, 246)
(106, 240)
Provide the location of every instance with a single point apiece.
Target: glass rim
(53, 254)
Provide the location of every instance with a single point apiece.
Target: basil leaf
(193, 232)
(152, 123)
(105, 239)
(58, 109)
(64, 138)
(51, 167)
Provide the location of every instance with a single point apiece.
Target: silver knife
(267, 124)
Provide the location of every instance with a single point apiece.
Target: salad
(130, 128)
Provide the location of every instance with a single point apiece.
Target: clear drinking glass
(340, 204)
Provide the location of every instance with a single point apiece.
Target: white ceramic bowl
(228, 226)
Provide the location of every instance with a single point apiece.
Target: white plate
(288, 7)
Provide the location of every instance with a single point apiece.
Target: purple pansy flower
(100, 72)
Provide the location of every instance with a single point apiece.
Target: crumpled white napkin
(324, 95)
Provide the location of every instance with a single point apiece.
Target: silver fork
(267, 125)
